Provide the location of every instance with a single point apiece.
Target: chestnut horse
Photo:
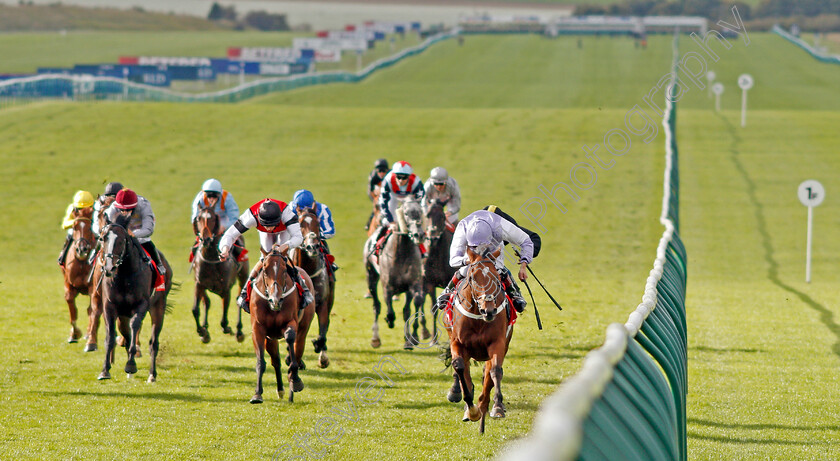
(214, 275)
(76, 267)
(437, 273)
(399, 268)
(310, 258)
(128, 293)
(276, 313)
(480, 331)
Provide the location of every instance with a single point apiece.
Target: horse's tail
(445, 356)
(176, 286)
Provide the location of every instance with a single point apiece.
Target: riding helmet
(112, 188)
(126, 200)
(212, 185)
(83, 199)
(479, 231)
(381, 165)
(402, 167)
(303, 199)
(270, 214)
(439, 174)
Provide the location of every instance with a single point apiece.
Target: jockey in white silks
(485, 231)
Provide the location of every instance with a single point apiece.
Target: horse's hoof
(375, 343)
(390, 319)
(316, 345)
(323, 360)
(227, 330)
(409, 346)
(151, 379)
(368, 295)
(466, 416)
(454, 397)
(497, 412)
(474, 413)
(120, 341)
(256, 399)
(426, 334)
(72, 340)
(131, 368)
(240, 337)
(104, 375)
(90, 347)
(395, 298)
(301, 365)
(206, 338)
(297, 384)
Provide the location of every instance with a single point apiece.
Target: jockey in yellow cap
(81, 200)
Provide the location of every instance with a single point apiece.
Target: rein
(469, 280)
(266, 285)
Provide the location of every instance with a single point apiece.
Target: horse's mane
(413, 210)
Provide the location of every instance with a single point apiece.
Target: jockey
(141, 223)
(380, 169)
(81, 200)
(223, 204)
(535, 238)
(277, 223)
(489, 230)
(303, 200)
(399, 185)
(444, 189)
(103, 202)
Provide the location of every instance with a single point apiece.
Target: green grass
(762, 355)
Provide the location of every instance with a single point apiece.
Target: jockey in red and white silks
(398, 185)
(277, 224)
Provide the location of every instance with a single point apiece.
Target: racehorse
(437, 273)
(276, 313)
(480, 330)
(310, 258)
(128, 292)
(375, 220)
(213, 274)
(399, 268)
(76, 267)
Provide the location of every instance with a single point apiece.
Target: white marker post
(717, 89)
(710, 77)
(745, 81)
(811, 193)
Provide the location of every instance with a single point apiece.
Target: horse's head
(310, 228)
(413, 213)
(485, 285)
(206, 226)
(274, 278)
(115, 247)
(436, 221)
(83, 232)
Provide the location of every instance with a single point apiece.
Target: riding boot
(150, 247)
(242, 299)
(440, 304)
(512, 290)
(307, 295)
(63, 255)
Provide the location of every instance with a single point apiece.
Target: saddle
(160, 280)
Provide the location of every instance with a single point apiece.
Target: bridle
(270, 286)
(116, 258)
(486, 296)
(207, 242)
(83, 245)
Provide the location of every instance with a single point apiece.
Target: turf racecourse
(504, 114)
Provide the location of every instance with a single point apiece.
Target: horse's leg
(110, 341)
(136, 322)
(461, 364)
(419, 301)
(156, 314)
(196, 311)
(390, 315)
(225, 324)
(70, 294)
(410, 337)
(373, 285)
(259, 336)
(497, 358)
(94, 314)
(206, 324)
(324, 326)
(484, 398)
(271, 346)
(295, 383)
(454, 395)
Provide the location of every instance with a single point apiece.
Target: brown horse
(480, 331)
(213, 274)
(437, 273)
(375, 221)
(312, 260)
(76, 267)
(128, 293)
(276, 313)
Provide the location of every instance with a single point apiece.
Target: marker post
(745, 81)
(717, 89)
(710, 77)
(811, 193)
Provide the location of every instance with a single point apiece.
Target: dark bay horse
(214, 275)
(480, 331)
(399, 268)
(310, 258)
(77, 268)
(276, 313)
(436, 269)
(128, 294)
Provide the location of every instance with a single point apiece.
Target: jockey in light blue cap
(303, 200)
